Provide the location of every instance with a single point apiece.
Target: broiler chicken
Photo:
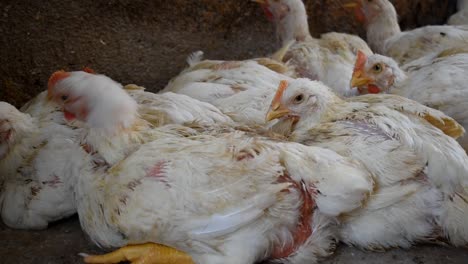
(437, 80)
(40, 149)
(154, 109)
(385, 36)
(421, 172)
(38, 156)
(240, 89)
(232, 198)
(329, 59)
(160, 109)
(461, 17)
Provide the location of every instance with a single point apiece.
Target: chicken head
(366, 11)
(80, 93)
(299, 99)
(374, 74)
(290, 18)
(12, 123)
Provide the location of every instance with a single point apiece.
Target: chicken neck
(294, 26)
(382, 27)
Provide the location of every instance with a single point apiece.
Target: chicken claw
(148, 253)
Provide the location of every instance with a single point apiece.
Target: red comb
(54, 78)
(361, 59)
(279, 93)
(360, 15)
(57, 76)
(268, 13)
(89, 70)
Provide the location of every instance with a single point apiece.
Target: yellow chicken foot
(148, 253)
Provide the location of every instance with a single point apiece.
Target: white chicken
(159, 109)
(421, 174)
(240, 89)
(154, 109)
(38, 156)
(461, 17)
(226, 199)
(437, 80)
(40, 150)
(323, 58)
(385, 36)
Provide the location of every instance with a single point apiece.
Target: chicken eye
(64, 97)
(299, 98)
(377, 68)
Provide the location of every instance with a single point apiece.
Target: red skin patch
(81, 113)
(5, 136)
(69, 116)
(304, 229)
(158, 172)
(372, 89)
(268, 13)
(54, 183)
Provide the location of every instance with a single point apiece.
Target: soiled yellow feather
(453, 51)
(435, 117)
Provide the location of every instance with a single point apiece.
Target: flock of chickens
(264, 159)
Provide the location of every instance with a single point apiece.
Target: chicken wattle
(421, 172)
(328, 59)
(229, 198)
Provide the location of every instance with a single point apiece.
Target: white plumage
(240, 89)
(38, 158)
(437, 80)
(329, 59)
(73, 90)
(232, 198)
(40, 150)
(385, 36)
(421, 173)
(214, 205)
(461, 17)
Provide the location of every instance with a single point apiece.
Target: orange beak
(277, 110)
(54, 78)
(359, 78)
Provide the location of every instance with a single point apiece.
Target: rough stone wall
(146, 42)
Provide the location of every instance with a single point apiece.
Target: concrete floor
(62, 242)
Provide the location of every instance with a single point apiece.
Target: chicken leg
(149, 253)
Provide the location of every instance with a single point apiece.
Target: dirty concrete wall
(146, 42)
